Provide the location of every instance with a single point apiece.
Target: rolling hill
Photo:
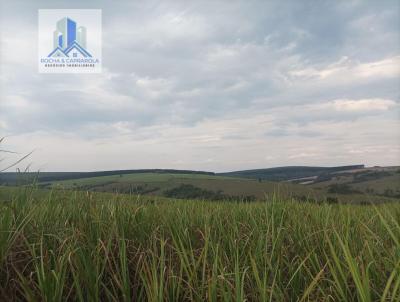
(289, 173)
(334, 184)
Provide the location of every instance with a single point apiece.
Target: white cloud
(363, 105)
(346, 69)
(337, 143)
(385, 68)
(217, 86)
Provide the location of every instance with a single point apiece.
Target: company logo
(72, 47)
(69, 40)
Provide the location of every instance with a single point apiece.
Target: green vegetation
(178, 186)
(191, 192)
(347, 184)
(12, 178)
(224, 187)
(290, 172)
(341, 189)
(136, 178)
(373, 183)
(273, 174)
(185, 191)
(87, 246)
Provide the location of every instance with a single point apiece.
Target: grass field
(164, 181)
(156, 184)
(139, 177)
(81, 246)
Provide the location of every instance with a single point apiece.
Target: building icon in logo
(69, 41)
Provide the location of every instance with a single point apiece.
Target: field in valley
(156, 184)
(65, 245)
(354, 186)
(344, 184)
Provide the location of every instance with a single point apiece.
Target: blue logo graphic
(69, 41)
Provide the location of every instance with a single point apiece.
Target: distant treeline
(27, 177)
(273, 174)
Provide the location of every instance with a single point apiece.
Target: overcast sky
(209, 85)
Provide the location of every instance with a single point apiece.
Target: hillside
(215, 187)
(288, 173)
(12, 178)
(162, 184)
(377, 181)
(273, 174)
(334, 184)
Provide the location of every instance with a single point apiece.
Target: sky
(208, 85)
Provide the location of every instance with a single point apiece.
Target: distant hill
(288, 173)
(12, 178)
(186, 186)
(273, 174)
(378, 181)
(354, 183)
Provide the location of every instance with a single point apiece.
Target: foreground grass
(90, 247)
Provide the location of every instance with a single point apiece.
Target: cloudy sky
(209, 85)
